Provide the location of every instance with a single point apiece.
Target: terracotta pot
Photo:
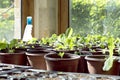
(82, 65)
(69, 62)
(93, 53)
(18, 50)
(85, 49)
(119, 66)
(36, 58)
(13, 58)
(107, 51)
(95, 64)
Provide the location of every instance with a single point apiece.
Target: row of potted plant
(63, 47)
(94, 44)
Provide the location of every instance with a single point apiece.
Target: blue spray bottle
(28, 30)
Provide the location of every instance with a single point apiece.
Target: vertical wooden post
(63, 15)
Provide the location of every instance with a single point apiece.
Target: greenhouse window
(10, 19)
(95, 16)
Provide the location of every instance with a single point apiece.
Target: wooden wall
(63, 13)
(27, 10)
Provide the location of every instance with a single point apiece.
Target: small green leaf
(61, 54)
(69, 32)
(13, 42)
(11, 51)
(3, 44)
(32, 41)
(104, 50)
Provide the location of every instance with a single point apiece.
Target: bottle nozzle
(29, 20)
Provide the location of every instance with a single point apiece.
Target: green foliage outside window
(96, 16)
(6, 19)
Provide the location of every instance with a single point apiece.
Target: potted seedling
(3, 45)
(104, 64)
(63, 60)
(66, 42)
(35, 55)
(87, 45)
(48, 41)
(32, 43)
(10, 55)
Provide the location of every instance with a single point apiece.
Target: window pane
(95, 16)
(9, 19)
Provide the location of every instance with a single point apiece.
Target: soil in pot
(65, 51)
(96, 52)
(20, 50)
(36, 58)
(95, 64)
(68, 63)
